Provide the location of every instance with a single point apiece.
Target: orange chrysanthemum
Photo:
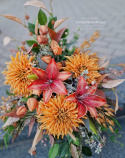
(16, 73)
(84, 65)
(59, 116)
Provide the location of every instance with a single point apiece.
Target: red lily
(85, 98)
(50, 80)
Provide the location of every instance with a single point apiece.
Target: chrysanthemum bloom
(84, 65)
(59, 116)
(16, 73)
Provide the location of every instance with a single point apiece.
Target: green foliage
(50, 24)
(53, 152)
(31, 27)
(30, 42)
(8, 93)
(42, 18)
(36, 49)
(70, 140)
(63, 149)
(86, 151)
(64, 34)
(6, 139)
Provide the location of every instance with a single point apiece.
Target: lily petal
(93, 111)
(64, 75)
(71, 98)
(52, 70)
(58, 87)
(93, 100)
(39, 84)
(92, 89)
(39, 72)
(81, 86)
(82, 110)
(47, 95)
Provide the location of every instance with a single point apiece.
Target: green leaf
(65, 34)
(8, 93)
(36, 50)
(50, 24)
(42, 18)
(77, 142)
(116, 122)
(86, 151)
(116, 130)
(31, 27)
(6, 139)
(24, 99)
(63, 149)
(92, 127)
(53, 152)
(30, 42)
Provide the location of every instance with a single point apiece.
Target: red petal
(39, 84)
(52, 70)
(64, 75)
(92, 111)
(71, 98)
(100, 93)
(92, 89)
(82, 109)
(47, 95)
(39, 72)
(58, 87)
(81, 86)
(93, 100)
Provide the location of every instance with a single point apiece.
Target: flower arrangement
(59, 88)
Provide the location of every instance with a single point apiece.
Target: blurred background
(85, 15)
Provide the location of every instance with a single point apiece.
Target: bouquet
(61, 88)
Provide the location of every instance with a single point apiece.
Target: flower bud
(46, 59)
(32, 103)
(36, 92)
(42, 40)
(23, 48)
(43, 30)
(21, 110)
(27, 17)
(30, 33)
(23, 42)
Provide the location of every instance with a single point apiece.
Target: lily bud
(46, 59)
(32, 77)
(36, 92)
(43, 30)
(21, 110)
(32, 103)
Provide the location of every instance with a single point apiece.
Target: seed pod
(104, 125)
(110, 127)
(112, 110)
(98, 120)
(111, 122)
(106, 105)
(111, 113)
